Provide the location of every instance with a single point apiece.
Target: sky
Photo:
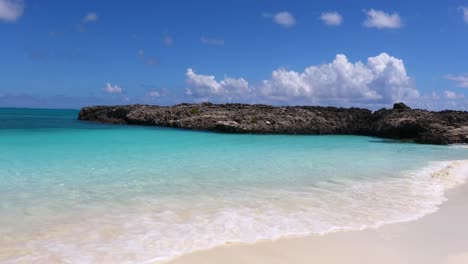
(68, 54)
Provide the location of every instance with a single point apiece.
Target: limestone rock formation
(401, 122)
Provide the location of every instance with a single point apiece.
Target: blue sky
(75, 53)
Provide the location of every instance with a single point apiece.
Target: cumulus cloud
(379, 19)
(464, 10)
(112, 89)
(453, 95)
(11, 10)
(331, 18)
(460, 79)
(284, 18)
(206, 86)
(211, 41)
(90, 17)
(382, 79)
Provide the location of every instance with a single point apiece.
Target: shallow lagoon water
(81, 192)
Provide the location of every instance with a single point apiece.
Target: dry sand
(438, 238)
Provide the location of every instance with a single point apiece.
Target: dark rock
(445, 127)
(400, 106)
(401, 122)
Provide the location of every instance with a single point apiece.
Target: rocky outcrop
(401, 122)
(422, 126)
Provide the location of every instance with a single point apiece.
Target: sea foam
(152, 233)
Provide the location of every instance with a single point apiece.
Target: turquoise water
(81, 192)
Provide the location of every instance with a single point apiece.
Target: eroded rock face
(445, 127)
(401, 122)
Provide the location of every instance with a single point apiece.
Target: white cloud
(11, 10)
(460, 79)
(464, 10)
(382, 79)
(153, 94)
(284, 18)
(380, 19)
(211, 41)
(445, 100)
(206, 86)
(453, 95)
(90, 17)
(331, 18)
(112, 89)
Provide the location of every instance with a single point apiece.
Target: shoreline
(438, 237)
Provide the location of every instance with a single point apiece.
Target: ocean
(79, 192)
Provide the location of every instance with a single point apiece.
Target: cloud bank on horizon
(381, 80)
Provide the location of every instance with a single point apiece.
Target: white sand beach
(438, 238)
